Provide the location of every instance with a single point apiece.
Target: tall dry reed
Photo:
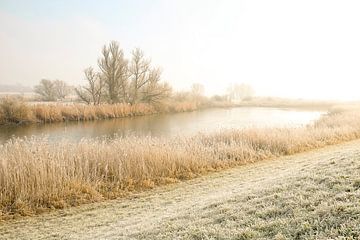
(36, 175)
(14, 110)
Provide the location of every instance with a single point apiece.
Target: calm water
(166, 124)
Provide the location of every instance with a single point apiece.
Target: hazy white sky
(308, 48)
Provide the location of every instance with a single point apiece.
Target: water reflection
(166, 124)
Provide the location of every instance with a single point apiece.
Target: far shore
(18, 112)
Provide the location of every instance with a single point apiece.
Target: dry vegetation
(313, 195)
(36, 175)
(288, 103)
(14, 110)
(308, 196)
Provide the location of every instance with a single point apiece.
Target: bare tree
(113, 68)
(154, 91)
(46, 90)
(139, 74)
(197, 89)
(61, 89)
(123, 81)
(197, 93)
(83, 95)
(51, 90)
(240, 92)
(94, 91)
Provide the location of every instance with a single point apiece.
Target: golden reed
(36, 175)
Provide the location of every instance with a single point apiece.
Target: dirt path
(168, 208)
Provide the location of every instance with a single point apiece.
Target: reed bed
(81, 112)
(16, 111)
(37, 175)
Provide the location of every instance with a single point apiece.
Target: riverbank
(283, 198)
(15, 111)
(36, 175)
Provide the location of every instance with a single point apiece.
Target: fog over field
(298, 49)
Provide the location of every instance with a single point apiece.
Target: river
(187, 123)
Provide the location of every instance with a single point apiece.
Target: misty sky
(308, 49)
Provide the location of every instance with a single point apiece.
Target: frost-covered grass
(315, 201)
(36, 175)
(312, 195)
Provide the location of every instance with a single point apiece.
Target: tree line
(120, 80)
(52, 90)
(117, 80)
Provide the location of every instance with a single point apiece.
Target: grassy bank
(307, 196)
(16, 111)
(36, 175)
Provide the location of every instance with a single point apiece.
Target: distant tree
(83, 95)
(153, 91)
(61, 89)
(51, 90)
(120, 80)
(114, 72)
(145, 81)
(94, 91)
(197, 92)
(197, 89)
(46, 89)
(240, 92)
(139, 74)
